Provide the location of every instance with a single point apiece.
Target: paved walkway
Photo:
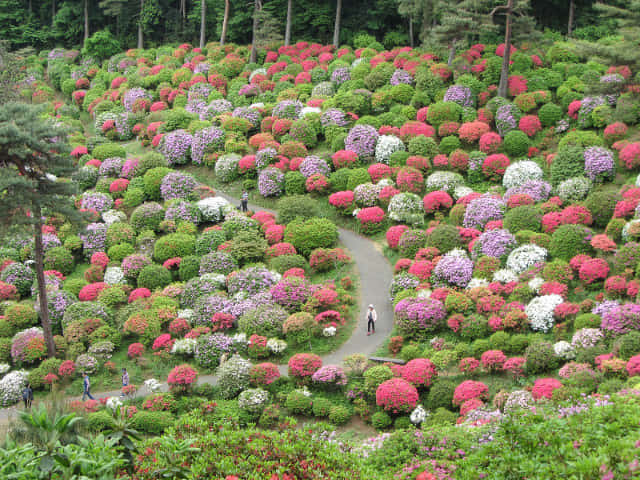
(375, 277)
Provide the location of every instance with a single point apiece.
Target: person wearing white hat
(372, 316)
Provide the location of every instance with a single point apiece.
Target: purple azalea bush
(176, 147)
(177, 185)
(362, 139)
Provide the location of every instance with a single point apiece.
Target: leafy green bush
(294, 183)
(570, 240)
(60, 259)
(308, 235)
(209, 241)
(601, 205)
(524, 217)
(100, 420)
(516, 143)
(283, 263)
(153, 423)
(381, 420)
(444, 237)
(357, 176)
(549, 114)
(108, 150)
(587, 320)
(441, 394)
(296, 206)
(298, 403)
(440, 417)
(568, 163)
(173, 245)
(339, 415)
(152, 181)
(154, 277)
(540, 358)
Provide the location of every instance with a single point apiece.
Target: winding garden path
(375, 277)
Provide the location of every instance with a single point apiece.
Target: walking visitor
(372, 316)
(244, 201)
(27, 395)
(86, 384)
(125, 380)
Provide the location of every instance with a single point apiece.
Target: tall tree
(287, 30)
(455, 22)
(572, 8)
(113, 8)
(203, 22)
(53, 11)
(225, 22)
(33, 152)
(504, 71)
(140, 39)
(336, 26)
(257, 6)
(86, 19)
(623, 51)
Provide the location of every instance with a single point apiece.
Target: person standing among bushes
(125, 380)
(244, 201)
(372, 317)
(27, 395)
(86, 384)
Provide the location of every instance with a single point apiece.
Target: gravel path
(375, 277)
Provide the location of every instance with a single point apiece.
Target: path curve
(375, 277)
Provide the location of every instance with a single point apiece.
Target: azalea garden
(488, 204)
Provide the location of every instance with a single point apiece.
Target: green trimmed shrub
(152, 181)
(444, 237)
(516, 143)
(296, 206)
(601, 205)
(59, 258)
(549, 114)
(339, 415)
(441, 394)
(308, 235)
(570, 240)
(108, 150)
(153, 423)
(380, 420)
(587, 320)
(154, 277)
(100, 420)
(283, 263)
(173, 245)
(568, 163)
(208, 242)
(294, 183)
(524, 217)
(540, 358)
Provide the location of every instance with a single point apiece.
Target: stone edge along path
(375, 277)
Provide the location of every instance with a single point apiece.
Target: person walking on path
(125, 380)
(86, 384)
(244, 201)
(27, 395)
(372, 316)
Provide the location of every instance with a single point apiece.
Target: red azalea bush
(278, 249)
(163, 343)
(179, 327)
(493, 360)
(344, 159)
(342, 200)
(135, 350)
(470, 405)
(303, 365)
(530, 124)
(594, 270)
(371, 219)
(139, 293)
(182, 377)
(630, 156)
(67, 369)
(490, 142)
(274, 234)
(100, 259)
(514, 366)
(394, 233)
(544, 387)
(469, 389)
(615, 132)
(378, 171)
(494, 166)
(633, 366)
(419, 372)
(263, 374)
(434, 201)
(421, 269)
(221, 321)
(397, 396)
(90, 292)
(468, 365)
(410, 180)
(471, 132)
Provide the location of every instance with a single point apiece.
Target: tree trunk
(287, 30)
(86, 19)
(42, 288)
(336, 26)
(572, 8)
(411, 31)
(203, 22)
(140, 41)
(53, 12)
(225, 22)
(504, 71)
(452, 53)
(254, 48)
(183, 14)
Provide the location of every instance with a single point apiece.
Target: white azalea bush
(386, 146)
(445, 181)
(213, 209)
(418, 415)
(184, 346)
(521, 172)
(113, 276)
(564, 350)
(11, 387)
(525, 257)
(574, 189)
(540, 311)
(406, 208)
(276, 346)
(253, 400)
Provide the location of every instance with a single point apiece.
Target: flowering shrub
(419, 372)
(544, 387)
(302, 366)
(468, 390)
(263, 374)
(182, 377)
(397, 395)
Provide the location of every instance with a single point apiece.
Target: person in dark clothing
(27, 395)
(372, 316)
(86, 386)
(125, 380)
(244, 201)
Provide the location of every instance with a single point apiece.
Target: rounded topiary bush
(539, 358)
(570, 240)
(525, 217)
(516, 143)
(443, 237)
(154, 277)
(601, 205)
(549, 114)
(173, 245)
(397, 395)
(296, 206)
(568, 163)
(307, 235)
